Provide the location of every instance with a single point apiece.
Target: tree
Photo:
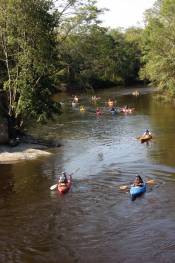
(89, 57)
(27, 42)
(127, 54)
(78, 20)
(133, 39)
(98, 56)
(159, 46)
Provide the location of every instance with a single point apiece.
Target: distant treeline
(46, 44)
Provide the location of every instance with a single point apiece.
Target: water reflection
(6, 182)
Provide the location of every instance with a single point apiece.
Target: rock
(22, 152)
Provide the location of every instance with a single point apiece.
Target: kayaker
(138, 181)
(112, 109)
(75, 99)
(63, 178)
(98, 111)
(82, 108)
(126, 107)
(147, 132)
(110, 103)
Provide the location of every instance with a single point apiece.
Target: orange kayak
(65, 187)
(145, 138)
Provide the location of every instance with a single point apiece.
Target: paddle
(53, 187)
(126, 187)
(151, 181)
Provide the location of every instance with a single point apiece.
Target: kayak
(65, 187)
(94, 98)
(135, 93)
(82, 108)
(98, 113)
(145, 138)
(127, 110)
(137, 190)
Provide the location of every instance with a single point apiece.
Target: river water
(95, 222)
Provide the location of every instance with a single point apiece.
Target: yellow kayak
(145, 138)
(82, 108)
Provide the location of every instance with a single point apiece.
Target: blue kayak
(137, 190)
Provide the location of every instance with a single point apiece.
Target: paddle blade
(123, 187)
(53, 187)
(150, 181)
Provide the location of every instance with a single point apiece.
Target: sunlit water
(95, 221)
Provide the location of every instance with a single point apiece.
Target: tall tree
(158, 47)
(28, 44)
(77, 20)
(133, 39)
(88, 56)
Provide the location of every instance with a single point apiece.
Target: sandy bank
(22, 152)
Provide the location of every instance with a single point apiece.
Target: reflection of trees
(162, 117)
(7, 180)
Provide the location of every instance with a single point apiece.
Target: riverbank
(22, 152)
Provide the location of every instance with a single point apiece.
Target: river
(95, 222)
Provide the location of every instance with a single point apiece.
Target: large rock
(3, 132)
(22, 152)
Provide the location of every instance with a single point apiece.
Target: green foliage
(91, 55)
(128, 53)
(28, 51)
(158, 46)
(44, 43)
(96, 56)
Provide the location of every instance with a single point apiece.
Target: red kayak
(98, 113)
(65, 187)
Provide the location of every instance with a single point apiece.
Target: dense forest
(46, 44)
